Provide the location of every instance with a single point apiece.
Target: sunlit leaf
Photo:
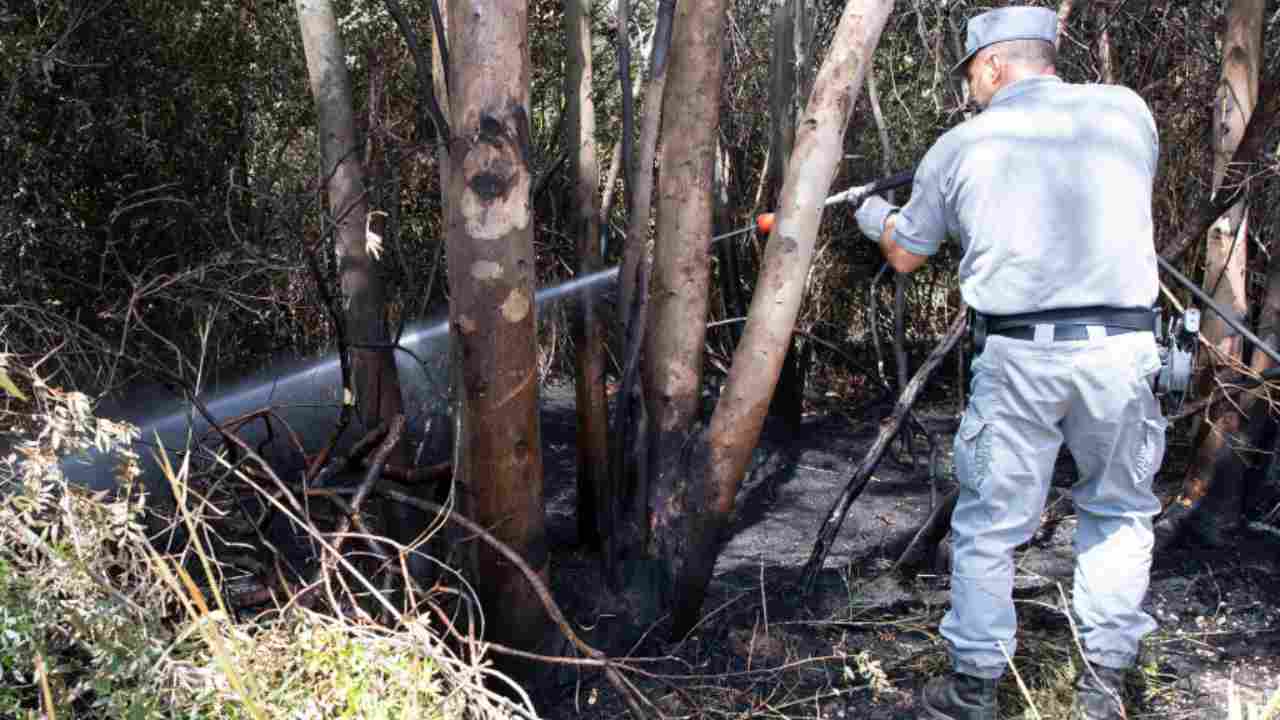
(7, 385)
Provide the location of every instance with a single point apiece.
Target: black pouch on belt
(977, 330)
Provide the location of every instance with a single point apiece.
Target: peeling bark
(490, 245)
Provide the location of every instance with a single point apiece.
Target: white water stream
(308, 397)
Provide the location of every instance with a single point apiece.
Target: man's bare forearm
(904, 261)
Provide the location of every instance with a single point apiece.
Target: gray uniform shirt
(1048, 191)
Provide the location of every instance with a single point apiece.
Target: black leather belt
(1068, 323)
(1060, 332)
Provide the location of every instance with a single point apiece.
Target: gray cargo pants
(1027, 397)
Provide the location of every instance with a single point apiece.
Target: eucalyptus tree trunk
(1213, 488)
(1064, 12)
(584, 220)
(739, 415)
(491, 283)
(782, 88)
(641, 184)
(375, 382)
(676, 329)
(694, 478)
(638, 89)
(626, 531)
(1106, 54)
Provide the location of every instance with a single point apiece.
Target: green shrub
(93, 616)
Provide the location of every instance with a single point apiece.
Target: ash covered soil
(863, 643)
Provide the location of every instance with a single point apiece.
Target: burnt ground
(863, 643)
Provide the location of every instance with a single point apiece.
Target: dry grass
(96, 621)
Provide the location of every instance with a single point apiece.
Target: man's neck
(1018, 74)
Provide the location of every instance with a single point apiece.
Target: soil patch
(862, 644)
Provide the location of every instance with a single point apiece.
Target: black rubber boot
(1100, 697)
(959, 697)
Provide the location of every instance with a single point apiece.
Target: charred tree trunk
(588, 330)
(1212, 492)
(782, 90)
(792, 29)
(900, 280)
(626, 533)
(429, 116)
(727, 256)
(1262, 491)
(376, 385)
(713, 475)
(615, 155)
(491, 282)
(672, 362)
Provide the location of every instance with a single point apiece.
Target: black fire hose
(1226, 315)
(889, 183)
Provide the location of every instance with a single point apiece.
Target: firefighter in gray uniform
(1048, 192)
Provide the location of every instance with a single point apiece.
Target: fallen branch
(419, 475)
(358, 453)
(391, 438)
(394, 433)
(266, 414)
(359, 456)
(888, 430)
(931, 532)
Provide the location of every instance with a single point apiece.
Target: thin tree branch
(422, 67)
(1249, 151)
(862, 474)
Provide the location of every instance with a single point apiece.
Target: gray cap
(1008, 23)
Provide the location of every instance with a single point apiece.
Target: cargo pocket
(1150, 449)
(973, 452)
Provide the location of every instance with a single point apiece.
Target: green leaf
(7, 385)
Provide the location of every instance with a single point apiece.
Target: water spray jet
(308, 399)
